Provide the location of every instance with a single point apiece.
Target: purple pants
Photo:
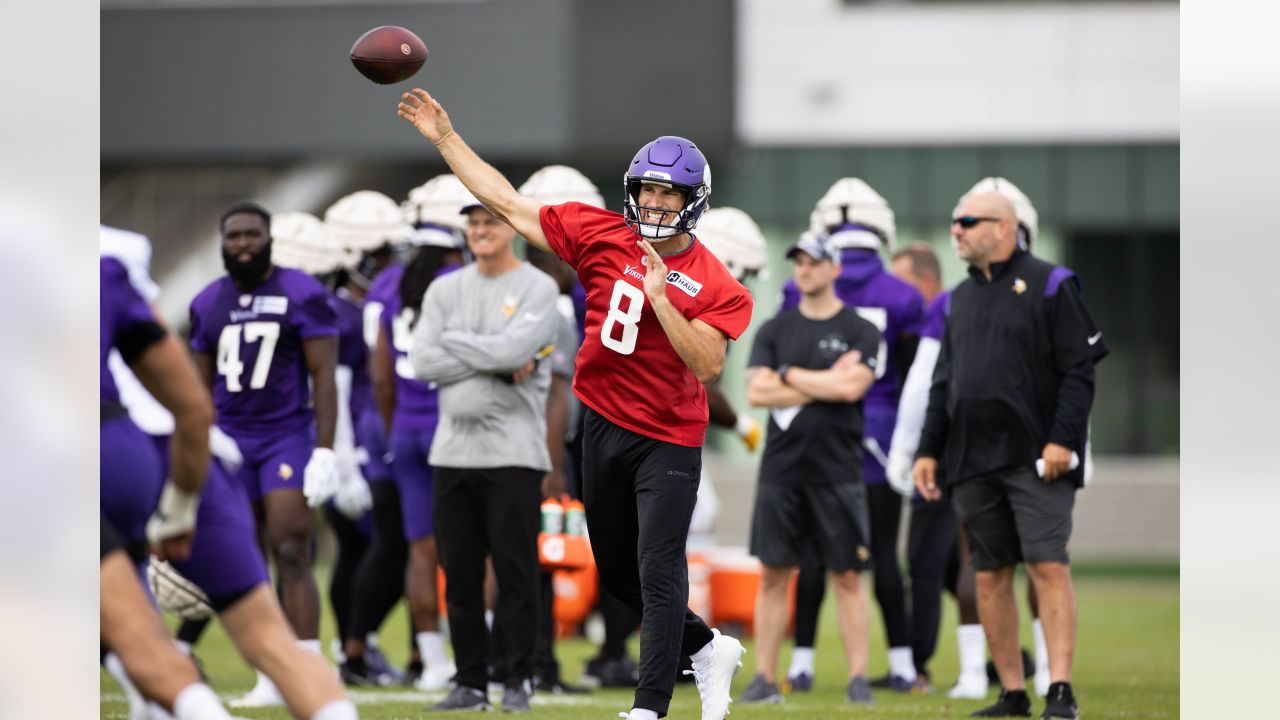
(225, 561)
(273, 463)
(130, 478)
(410, 449)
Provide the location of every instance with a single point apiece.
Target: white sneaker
(714, 675)
(1042, 681)
(436, 676)
(263, 694)
(969, 687)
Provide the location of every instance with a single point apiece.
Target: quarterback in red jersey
(661, 310)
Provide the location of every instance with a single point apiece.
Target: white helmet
(439, 201)
(850, 200)
(556, 184)
(735, 239)
(1028, 218)
(299, 241)
(364, 220)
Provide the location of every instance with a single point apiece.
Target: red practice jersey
(627, 369)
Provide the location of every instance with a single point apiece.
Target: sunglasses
(968, 221)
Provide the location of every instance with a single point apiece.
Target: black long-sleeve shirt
(1016, 370)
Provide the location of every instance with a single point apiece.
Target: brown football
(388, 54)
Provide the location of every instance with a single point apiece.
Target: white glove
(223, 447)
(898, 471)
(320, 480)
(353, 498)
(749, 430)
(175, 515)
(1075, 463)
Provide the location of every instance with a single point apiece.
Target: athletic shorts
(129, 479)
(225, 561)
(410, 448)
(273, 463)
(1012, 516)
(371, 440)
(794, 521)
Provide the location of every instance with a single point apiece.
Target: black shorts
(794, 521)
(1012, 515)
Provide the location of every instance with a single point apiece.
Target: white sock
(704, 653)
(973, 650)
(183, 645)
(488, 619)
(311, 646)
(801, 661)
(901, 664)
(431, 646)
(642, 714)
(371, 640)
(1042, 648)
(198, 702)
(337, 710)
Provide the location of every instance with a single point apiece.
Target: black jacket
(1016, 370)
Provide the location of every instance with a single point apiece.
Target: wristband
(782, 372)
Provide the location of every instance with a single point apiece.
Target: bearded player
(660, 313)
(260, 335)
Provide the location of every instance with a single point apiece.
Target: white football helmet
(363, 221)
(299, 240)
(556, 184)
(1028, 218)
(851, 200)
(735, 239)
(176, 594)
(434, 206)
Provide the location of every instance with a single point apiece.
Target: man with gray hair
(1008, 416)
(482, 333)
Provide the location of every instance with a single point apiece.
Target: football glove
(898, 472)
(320, 479)
(223, 447)
(176, 594)
(749, 431)
(353, 498)
(175, 514)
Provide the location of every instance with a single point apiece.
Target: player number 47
(229, 365)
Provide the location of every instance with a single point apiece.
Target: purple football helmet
(672, 162)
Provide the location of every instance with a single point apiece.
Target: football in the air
(388, 54)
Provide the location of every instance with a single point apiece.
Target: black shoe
(462, 698)
(1012, 703)
(557, 686)
(516, 699)
(612, 672)
(354, 673)
(412, 673)
(1060, 702)
(1028, 668)
(889, 681)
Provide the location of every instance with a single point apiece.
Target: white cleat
(969, 687)
(714, 675)
(436, 677)
(263, 694)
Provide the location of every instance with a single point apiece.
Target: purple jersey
(417, 402)
(935, 318)
(260, 385)
(121, 309)
(896, 309)
(354, 353)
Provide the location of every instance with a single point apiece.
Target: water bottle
(575, 518)
(552, 517)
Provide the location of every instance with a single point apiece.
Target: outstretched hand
(422, 111)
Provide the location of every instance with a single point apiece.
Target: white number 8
(629, 320)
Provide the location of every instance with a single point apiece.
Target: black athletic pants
(490, 511)
(380, 575)
(352, 545)
(931, 557)
(639, 493)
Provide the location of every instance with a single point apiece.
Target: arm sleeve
(763, 350)
(530, 330)
(914, 402)
(732, 314)
(562, 226)
(933, 437)
(431, 363)
(1074, 357)
(315, 316)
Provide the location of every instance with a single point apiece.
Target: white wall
(814, 72)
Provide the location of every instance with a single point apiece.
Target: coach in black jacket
(1011, 393)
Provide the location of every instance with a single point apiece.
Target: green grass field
(1126, 665)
